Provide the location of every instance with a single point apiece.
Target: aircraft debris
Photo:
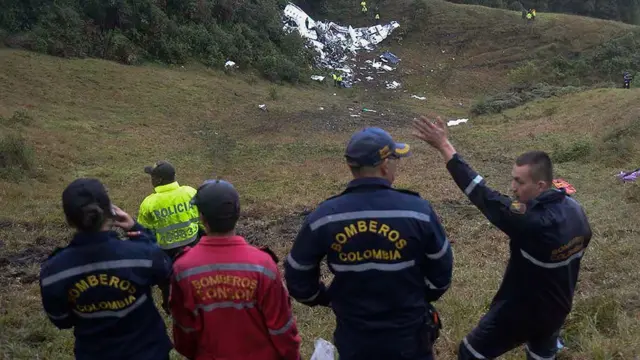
(336, 45)
(393, 85)
(456, 122)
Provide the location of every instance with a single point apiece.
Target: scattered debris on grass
(456, 122)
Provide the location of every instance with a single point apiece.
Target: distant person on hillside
(388, 252)
(101, 286)
(169, 213)
(228, 300)
(549, 233)
(627, 77)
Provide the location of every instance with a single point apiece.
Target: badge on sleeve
(518, 207)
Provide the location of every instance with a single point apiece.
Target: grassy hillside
(60, 119)
(452, 50)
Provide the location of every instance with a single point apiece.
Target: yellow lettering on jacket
(99, 280)
(565, 251)
(372, 227)
(222, 287)
(106, 305)
(370, 254)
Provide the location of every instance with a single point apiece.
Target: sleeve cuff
(456, 159)
(137, 227)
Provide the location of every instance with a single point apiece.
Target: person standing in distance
(168, 212)
(101, 286)
(388, 252)
(549, 233)
(228, 300)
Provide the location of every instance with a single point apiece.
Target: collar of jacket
(368, 182)
(81, 238)
(222, 240)
(549, 196)
(168, 187)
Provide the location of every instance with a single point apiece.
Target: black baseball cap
(82, 192)
(162, 169)
(217, 199)
(370, 146)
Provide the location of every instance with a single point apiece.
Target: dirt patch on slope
(19, 266)
(22, 267)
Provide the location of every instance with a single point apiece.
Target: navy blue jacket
(548, 237)
(101, 286)
(387, 250)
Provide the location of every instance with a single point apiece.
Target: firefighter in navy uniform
(101, 286)
(388, 252)
(549, 233)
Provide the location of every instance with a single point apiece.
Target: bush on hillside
(170, 31)
(16, 156)
(517, 96)
(577, 150)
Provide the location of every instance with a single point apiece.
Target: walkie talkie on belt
(433, 324)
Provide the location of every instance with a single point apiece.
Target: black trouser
(381, 347)
(503, 329)
(392, 345)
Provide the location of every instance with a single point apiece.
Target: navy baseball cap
(217, 199)
(370, 146)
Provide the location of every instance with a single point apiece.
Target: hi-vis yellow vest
(169, 214)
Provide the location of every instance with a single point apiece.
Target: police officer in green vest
(169, 214)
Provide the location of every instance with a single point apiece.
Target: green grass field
(62, 119)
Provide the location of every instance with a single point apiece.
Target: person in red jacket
(227, 298)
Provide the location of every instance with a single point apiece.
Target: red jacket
(228, 302)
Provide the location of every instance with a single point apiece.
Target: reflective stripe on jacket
(101, 286)
(548, 237)
(228, 301)
(388, 252)
(170, 215)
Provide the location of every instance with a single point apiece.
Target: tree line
(170, 31)
(627, 11)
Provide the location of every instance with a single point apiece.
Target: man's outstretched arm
(499, 209)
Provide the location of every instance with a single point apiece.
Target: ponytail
(90, 218)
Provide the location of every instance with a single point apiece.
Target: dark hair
(86, 204)
(540, 163)
(89, 219)
(220, 225)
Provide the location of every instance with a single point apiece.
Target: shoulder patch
(518, 207)
(271, 253)
(405, 191)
